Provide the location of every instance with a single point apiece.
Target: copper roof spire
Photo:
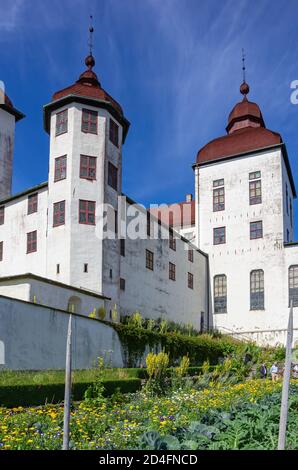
(244, 88)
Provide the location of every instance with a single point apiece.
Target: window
(58, 268)
(32, 203)
(122, 283)
(112, 176)
(114, 132)
(220, 293)
(255, 188)
(190, 255)
(88, 167)
(217, 183)
(218, 195)
(149, 260)
(1, 251)
(89, 121)
(288, 235)
(293, 285)
(61, 122)
(116, 221)
(218, 199)
(172, 241)
(59, 213)
(287, 199)
(219, 235)
(255, 175)
(190, 280)
(257, 290)
(172, 271)
(86, 212)
(85, 267)
(122, 247)
(148, 224)
(2, 215)
(256, 230)
(60, 168)
(31, 242)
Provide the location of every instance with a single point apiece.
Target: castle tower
(87, 129)
(244, 218)
(8, 117)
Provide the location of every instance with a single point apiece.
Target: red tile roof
(246, 132)
(242, 140)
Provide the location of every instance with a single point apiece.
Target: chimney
(188, 197)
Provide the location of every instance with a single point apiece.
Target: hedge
(198, 348)
(31, 395)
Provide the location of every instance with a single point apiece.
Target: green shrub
(30, 395)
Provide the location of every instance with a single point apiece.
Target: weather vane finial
(91, 29)
(243, 65)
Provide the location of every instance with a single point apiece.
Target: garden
(193, 392)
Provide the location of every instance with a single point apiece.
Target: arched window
(257, 290)
(293, 285)
(220, 293)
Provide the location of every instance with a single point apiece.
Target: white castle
(227, 260)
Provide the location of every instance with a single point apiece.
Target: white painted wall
(34, 338)
(152, 292)
(51, 295)
(14, 231)
(240, 255)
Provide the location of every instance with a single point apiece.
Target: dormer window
(62, 122)
(89, 121)
(114, 133)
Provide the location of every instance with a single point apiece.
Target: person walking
(274, 372)
(263, 371)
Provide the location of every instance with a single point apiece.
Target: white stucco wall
(13, 233)
(51, 295)
(152, 293)
(34, 338)
(240, 255)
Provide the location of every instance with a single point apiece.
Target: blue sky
(174, 65)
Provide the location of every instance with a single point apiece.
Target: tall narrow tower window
(89, 121)
(257, 290)
(293, 285)
(88, 167)
(60, 168)
(218, 195)
(114, 133)
(112, 176)
(1, 251)
(32, 242)
(59, 213)
(32, 203)
(287, 199)
(62, 122)
(2, 215)
(220, 293)
(255, 188)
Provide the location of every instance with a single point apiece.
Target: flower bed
(121, 424)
